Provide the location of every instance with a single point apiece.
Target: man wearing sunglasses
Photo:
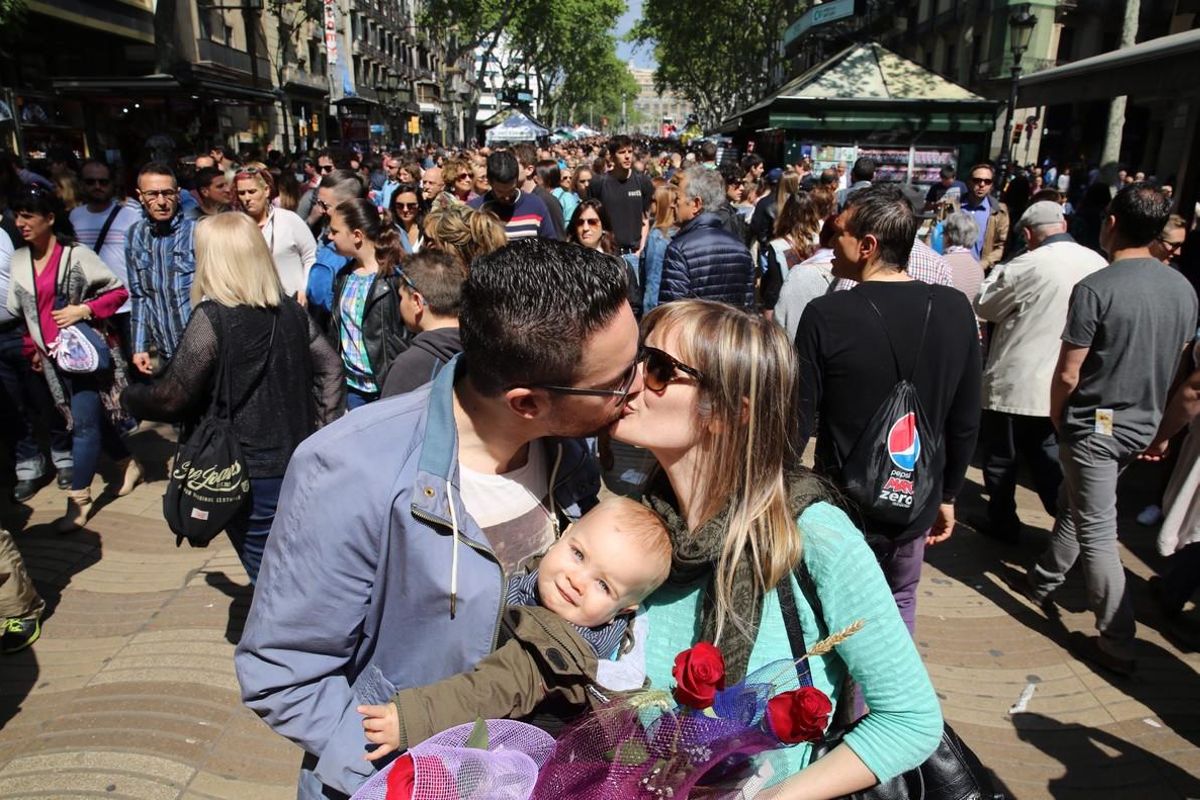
(439, 494)
(990, 215)
(306, 208)
(101, 224)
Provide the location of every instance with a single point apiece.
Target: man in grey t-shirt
(1126, 327)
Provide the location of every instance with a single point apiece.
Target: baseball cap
(774, 176)
(1043, 212)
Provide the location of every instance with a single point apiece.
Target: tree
(1111, 152)
(464, 27)
(290, 18)
(570, 55)
(720, 57)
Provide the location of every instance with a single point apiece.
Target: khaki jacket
(544, 661)
(1027, 299)
(995, 235)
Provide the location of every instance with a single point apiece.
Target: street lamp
(1020, 27)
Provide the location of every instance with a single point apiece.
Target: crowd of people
(447, 342)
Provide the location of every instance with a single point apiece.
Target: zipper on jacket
(479, 548)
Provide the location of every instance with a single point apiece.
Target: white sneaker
(1151, 515)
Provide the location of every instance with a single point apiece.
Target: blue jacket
(354, 599)
(320, 282)
(706, 261)
(652, 266)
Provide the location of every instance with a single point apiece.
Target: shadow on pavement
(1099, 762)
(1165, 684)
(51, 559)
(239, 606)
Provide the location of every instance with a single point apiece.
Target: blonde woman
(286, 381)
(463, 232)
(656, 243)
(288, 238)
(716, 407)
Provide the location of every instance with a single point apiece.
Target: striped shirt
(160, 269)
(604, 639)
(526, 217)
(88, 224)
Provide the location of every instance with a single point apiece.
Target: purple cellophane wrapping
(446, 769)
(630, 750)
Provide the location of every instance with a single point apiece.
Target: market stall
(869, 101)
(516, 127)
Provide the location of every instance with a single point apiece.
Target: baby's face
(596, 571)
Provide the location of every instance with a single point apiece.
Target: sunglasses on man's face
(325, 168)
(97, 181)
(661, 367)
(622, 392)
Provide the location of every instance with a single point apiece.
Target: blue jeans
(357, 399)
(24, 397)
(93, 430)
(249, 532)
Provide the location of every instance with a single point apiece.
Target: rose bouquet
(658, 744)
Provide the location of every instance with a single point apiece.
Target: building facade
(655, 113)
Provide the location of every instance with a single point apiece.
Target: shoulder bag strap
(112, 215)
(795, 632)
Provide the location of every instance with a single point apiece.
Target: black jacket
(706, 261)
(428, 352)
(383, 327)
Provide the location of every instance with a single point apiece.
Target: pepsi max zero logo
(903, 442)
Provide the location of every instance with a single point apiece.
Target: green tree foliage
(570, 46)
(719, 56)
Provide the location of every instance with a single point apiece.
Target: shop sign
(331, 37)
(821, 14)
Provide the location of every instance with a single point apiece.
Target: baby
(561, 620)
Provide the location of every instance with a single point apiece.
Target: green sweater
(905, 721)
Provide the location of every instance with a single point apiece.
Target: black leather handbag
(953, 772)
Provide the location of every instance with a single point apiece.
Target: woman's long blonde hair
(747, 419)
(234, 267)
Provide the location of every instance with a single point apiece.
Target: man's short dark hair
(708, 151)
(204, 178)
(983, 165)
(1141, 212)
(157, 168)
(863, 170)
(526, 154)
(881, 210)
(947, 172)
(439, 277)
(346, 183)
(829, 177)
(750, 161)
(502, 167)
(619, 142)
(94, 162)
(528, 308)
(732, 173)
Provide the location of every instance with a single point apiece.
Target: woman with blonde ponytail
(717, 407)
(366, 297)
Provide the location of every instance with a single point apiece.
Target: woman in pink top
(57, 282)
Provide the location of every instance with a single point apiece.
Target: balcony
(295, 76)
(230, 58)
(999, 68)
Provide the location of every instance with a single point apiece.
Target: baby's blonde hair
(648, 530)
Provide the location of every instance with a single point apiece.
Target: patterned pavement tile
(131, 691)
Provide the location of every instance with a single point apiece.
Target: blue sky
(641, 57)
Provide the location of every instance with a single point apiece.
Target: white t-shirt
(293, 247)
(87, 226)
(511, 508)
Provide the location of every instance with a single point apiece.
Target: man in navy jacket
(704, 260)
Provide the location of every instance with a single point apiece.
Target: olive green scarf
(694, 558)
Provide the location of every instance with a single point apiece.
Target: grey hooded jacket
(375, 577)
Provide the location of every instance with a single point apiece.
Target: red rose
(401, 779)
(799, 715)
(699, 672)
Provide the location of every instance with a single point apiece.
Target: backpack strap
(891, 346)
(112, 215)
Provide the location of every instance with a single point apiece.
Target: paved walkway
(130, 692)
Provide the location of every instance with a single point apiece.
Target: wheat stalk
(829, 642)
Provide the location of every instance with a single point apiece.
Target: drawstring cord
(454, 549)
